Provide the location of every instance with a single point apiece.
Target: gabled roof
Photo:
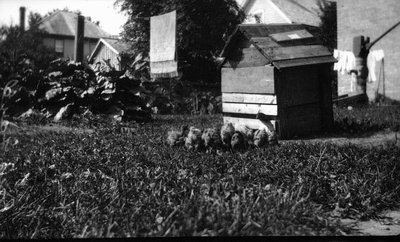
(115, 45)
(282, 45)
(300, 11)
(64, 23)
(297, 11)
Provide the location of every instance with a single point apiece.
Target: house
(60, 30)
(371, 18)
(281, 11)
(108, 49)
(277, 76)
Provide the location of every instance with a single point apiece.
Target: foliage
(71, 85)
(328, 24)
(201, 29)
(16, 45)
(6, 92)
(64, 9)
(61, 86)
(328, 32)
(115, 184)
(177, 97)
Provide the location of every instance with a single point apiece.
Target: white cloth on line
(374, 63)
(163, 59)
(346, 61)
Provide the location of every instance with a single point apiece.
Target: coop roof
(283, 45)
(64, 23)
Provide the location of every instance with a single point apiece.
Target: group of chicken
(229, 137)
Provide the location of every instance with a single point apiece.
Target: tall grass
(115, 184)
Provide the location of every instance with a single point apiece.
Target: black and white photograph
(199, 118)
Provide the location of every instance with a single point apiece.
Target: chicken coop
(277, 76)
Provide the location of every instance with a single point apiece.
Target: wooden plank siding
(300, 86)
(248, 98)
(257, 80)
(301, 120)
(106, 53)
(250, 108)
(324, 73)
(299, 101)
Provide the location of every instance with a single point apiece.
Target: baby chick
(194, 140)
(211, 138)
(238, 141)
(177, 138)
(227, 131)
(260, 137)
(272, 137)
(247, 132)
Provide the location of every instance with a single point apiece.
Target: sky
(111, 20)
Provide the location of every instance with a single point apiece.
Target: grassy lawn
(112, 182)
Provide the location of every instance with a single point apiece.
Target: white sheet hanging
(374, 64)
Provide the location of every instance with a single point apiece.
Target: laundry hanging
(374, 64)
(376, 75)
(346, 61)
(163, 58)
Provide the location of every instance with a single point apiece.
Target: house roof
(300, 11)
(115, 45)
(64, 23)
(297, 11)
(283, 45)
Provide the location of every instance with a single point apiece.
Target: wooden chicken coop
(278, 76)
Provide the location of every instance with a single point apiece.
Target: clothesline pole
(361, 52)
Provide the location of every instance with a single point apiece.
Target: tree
(64, 9)
(202, 28)
(328, 26)
(34, 20)
(21, 51)
(328, 32)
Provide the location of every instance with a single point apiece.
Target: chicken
(247, 134)
(272, 137)
(194, 140)
(227, 131)
(177, 138)
(260, 137)
(212, 139)
(238, 141)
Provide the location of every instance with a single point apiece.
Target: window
(59, 46)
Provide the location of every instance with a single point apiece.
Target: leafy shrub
(75, 88)
(174, 96)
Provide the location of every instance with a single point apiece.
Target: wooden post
(79, 38)
(22, 18)
(361, 53)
